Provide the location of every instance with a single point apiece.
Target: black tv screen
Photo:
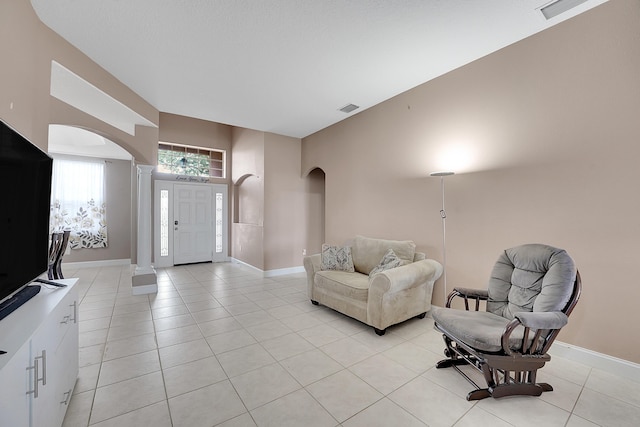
(25, 177)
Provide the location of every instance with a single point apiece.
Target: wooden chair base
(501, 377)
(504, 390)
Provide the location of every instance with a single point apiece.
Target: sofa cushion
(353, 286)
(389, 260)
(336, 258)
(367, 252)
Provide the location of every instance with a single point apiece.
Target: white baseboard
(237, 261)
(94, 264)
(271, 273)
(601, 361)
(283, 271)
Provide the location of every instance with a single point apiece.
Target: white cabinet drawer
(38, 373)
(15, 381)
(62, 318)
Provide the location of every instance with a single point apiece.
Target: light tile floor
(220, 345)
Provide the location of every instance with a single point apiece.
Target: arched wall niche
(312, 169)
(315, 209)
(248, 200)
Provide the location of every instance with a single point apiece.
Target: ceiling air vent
(555, 8)
(349, 108)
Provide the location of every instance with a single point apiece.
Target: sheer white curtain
(77, 202)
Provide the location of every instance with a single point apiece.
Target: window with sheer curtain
(77, 202)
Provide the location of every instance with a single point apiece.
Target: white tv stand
(39, 370)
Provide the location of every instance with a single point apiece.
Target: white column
(144, 279)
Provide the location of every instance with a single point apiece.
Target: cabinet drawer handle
(67, 395)
(36, 373)
(44, 367)
(75, 311)
(35, 379)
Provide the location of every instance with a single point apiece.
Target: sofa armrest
(311, 264)
(400, 293)
(406, 276)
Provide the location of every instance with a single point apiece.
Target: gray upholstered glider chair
(532, 290)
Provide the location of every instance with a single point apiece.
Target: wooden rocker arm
(547, 323)
(468, 293)
(543, 320)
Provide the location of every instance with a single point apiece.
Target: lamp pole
(443, 215)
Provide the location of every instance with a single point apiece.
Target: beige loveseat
(383, 298)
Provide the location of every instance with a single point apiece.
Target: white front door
(191, 223)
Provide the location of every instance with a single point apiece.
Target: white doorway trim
(164, 219)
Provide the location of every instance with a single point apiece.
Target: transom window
(191, 161)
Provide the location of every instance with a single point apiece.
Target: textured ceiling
(286, 66)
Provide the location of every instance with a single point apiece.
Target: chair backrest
(54, 246)
(532, 277)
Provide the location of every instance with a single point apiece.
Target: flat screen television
(25, 180)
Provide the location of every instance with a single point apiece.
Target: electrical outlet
(304, 252)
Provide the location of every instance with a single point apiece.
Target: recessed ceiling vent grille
(557, 7)
(349, 108)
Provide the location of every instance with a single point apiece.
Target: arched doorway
(74, 143)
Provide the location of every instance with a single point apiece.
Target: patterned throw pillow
(389, 260)
(337, 258)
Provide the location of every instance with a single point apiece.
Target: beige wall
(268, 231)
(284, 200)
(247, 174)
(24, 95)
(551, 125)
(27, 48)
(200, 133)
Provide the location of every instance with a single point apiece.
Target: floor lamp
(443, 215)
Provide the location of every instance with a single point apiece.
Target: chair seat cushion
(477, 329)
